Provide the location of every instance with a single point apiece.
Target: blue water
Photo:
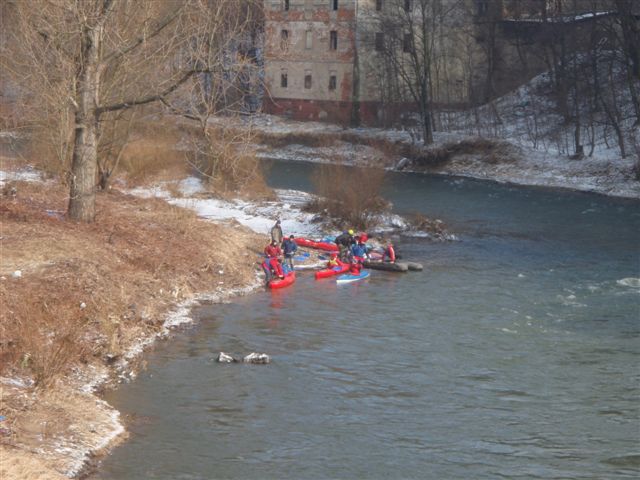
(514, 354)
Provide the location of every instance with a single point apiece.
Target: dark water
(514, 354)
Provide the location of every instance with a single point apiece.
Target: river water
(514, 354)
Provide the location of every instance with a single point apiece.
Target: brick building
(323, 59)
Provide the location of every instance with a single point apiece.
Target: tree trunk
(82, 197)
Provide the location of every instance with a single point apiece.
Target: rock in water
(225, 358)
(257, 358)
(414, 266)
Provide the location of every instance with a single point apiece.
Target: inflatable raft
(306, 242)
(393, 267)
(349, 278)
(288, 280)
(330, 272)
(386, 266)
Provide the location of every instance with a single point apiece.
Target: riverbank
(497, 159)
(81, 302)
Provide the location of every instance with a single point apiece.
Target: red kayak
(327, 247)
(288, 280)
(330, 272)
(306, 242)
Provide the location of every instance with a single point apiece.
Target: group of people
(352, 249)
(279, 248)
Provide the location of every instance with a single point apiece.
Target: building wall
(483, 49)
(308, 52)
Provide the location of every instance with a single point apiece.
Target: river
(514, 354)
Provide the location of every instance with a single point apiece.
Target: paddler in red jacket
(273, 254)
(355, 267)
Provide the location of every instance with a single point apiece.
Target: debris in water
(254, 357)
(225, 358)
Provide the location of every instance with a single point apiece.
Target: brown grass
(89, 290)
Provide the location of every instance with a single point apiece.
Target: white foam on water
(630, 282)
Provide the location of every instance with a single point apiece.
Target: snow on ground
(259, 217)
(603, 173)
(26, 174)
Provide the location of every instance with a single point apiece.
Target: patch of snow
(18, 382)
(259, 217)
(26, 174)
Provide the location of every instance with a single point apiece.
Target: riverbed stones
(260, 358)
(225, 358)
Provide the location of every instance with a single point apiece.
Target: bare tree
(94, 58)
(408, 36)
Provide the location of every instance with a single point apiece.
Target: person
(273, 254)
(390, 253)
(289, 248)
(268, 273)
(355, 267)
(333, 260)
(359, 251)
(344, 241)
(276, 233)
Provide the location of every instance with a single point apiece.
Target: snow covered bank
(604, 172)
(260, 216)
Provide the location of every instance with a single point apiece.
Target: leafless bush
(226, 160)
(350, 196)
(47, 339)
(426, 158)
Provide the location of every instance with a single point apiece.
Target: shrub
(225, 158)
(350, 196)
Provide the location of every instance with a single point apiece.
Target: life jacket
(391, 253)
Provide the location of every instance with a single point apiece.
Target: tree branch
(140, 40)
(149, 99)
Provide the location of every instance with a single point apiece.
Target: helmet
(350, 232)
(333, 255)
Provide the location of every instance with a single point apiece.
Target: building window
(309, 39)
(284, 80)
(482, 7)
(406, 43)
(333, 40)
(307, 79)
(379, 44)
(378, 5)
(407, 5)
(284, 39)
(334, 4)
(333, 81)
(286, 4)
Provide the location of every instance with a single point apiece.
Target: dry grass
(87, 290)
(87, 293)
